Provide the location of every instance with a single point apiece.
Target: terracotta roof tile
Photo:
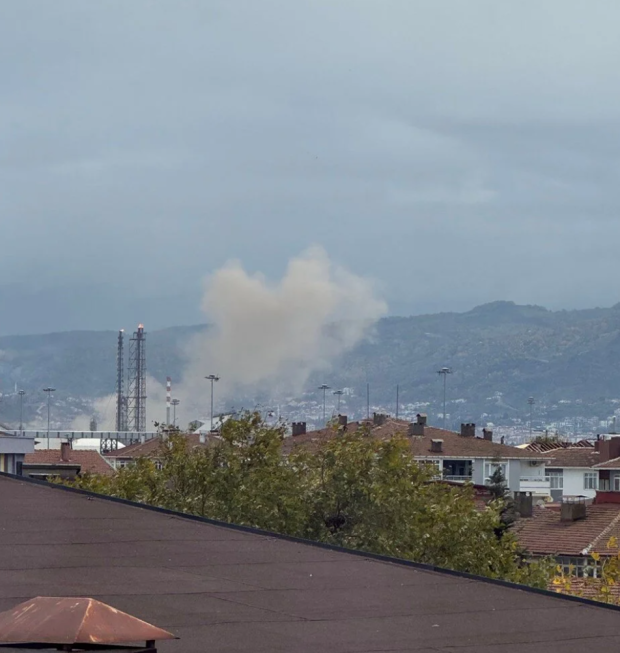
(545, 534)
(151, 447)
(89, 461)
(454, 444)
(571, 457)
(614, 463)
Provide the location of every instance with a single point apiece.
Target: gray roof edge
(321, 545)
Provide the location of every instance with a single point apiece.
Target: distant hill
(500, 347)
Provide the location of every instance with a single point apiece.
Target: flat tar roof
(222, 589)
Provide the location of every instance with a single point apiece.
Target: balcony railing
(461, 479)
(534, 479)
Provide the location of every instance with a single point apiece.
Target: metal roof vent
(75, 624)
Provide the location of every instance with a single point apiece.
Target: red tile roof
(454, 444)
(151, 447)
(572, 457)
(614, 463)
(545, 534)
(89, 461)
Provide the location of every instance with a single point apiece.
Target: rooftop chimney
(572, 509)
(342, 422)
(436, 446)
(298, 428)
(421, 419)
(415, 429)
(468, 430)
(609, 448)
(202, 438)
(142, 438)
(487, 434)
(524, 504)
(65, 452)
(379, 419)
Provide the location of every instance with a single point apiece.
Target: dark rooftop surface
(224, 590)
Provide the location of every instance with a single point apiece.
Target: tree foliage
(354, 490)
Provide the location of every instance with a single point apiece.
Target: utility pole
(397, 388)
(444, 371)
(338, 394)
(213, 378)
(531, 401)
(21, 394)
(324, 388)
(175, 403)
(49, 398)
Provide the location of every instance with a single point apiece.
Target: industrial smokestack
(168, 399)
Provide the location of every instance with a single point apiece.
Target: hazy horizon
(129, 327)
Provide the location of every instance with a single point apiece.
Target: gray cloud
(456, 152)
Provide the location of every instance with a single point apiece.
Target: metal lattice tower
(136, 395)
(121, 399)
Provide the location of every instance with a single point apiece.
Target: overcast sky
(457, 152)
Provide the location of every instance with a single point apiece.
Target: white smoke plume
(274, 336)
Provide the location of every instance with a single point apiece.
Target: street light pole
(21, 394)
(175, 403)
(49, 399)
(213, 378)
(338, 394)
(444, 371)
(531, 401)
(324, 388)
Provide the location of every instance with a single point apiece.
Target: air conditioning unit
(534, 463)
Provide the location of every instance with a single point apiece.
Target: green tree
(353, 490)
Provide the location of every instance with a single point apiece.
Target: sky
(452, 152)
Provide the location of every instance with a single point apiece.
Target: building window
(489, 469)
(555, 478)
(590, 480)
(616, 483)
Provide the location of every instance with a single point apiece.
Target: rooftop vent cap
(64, 622)
(436, 446)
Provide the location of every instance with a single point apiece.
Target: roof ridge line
(598, 538)
(321, 545)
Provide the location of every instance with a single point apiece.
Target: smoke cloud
(274, 336)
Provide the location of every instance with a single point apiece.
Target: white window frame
(489, 468)
(590, 480)
(616, 483)
(555, 478)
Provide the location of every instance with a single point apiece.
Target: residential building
(581, 468)
(13, 448)
(572, 530)
(64, 463)
(224, 588)
(462, 457)
(151, 449)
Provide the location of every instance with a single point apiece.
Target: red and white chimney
(168, 399)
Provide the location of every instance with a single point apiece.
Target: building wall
(478, 471)
(574, 482)
(16, 445)
(8, 462)
(514, 475)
